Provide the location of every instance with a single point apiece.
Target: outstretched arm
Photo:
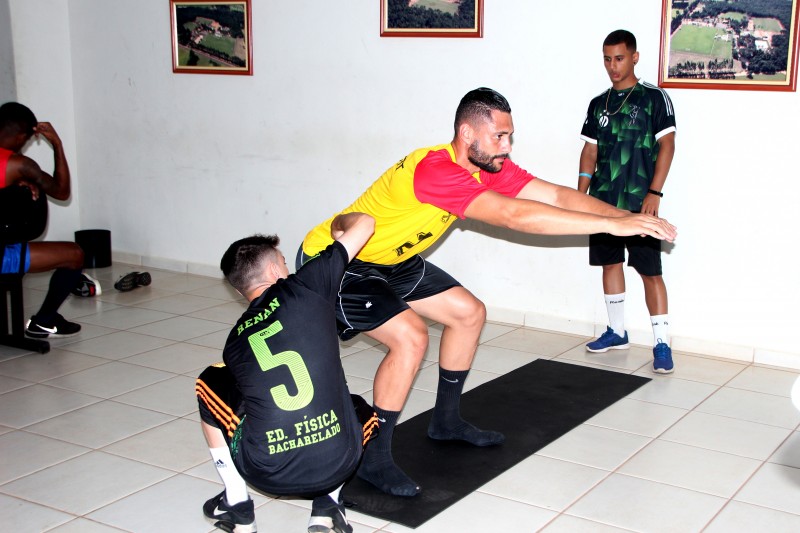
(25, 171)
(353, 230)
(568, 198)
(563, 211)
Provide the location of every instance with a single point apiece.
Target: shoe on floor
(239, 518)
(662, 359)
(327, 516)
(59, 328)
(87, 286)
(130, 281)
(608, 341)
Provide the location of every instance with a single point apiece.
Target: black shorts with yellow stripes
(220, 402)
(222, 405)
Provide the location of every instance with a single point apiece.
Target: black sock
(62, 282)
(446, 422)
(377, 465)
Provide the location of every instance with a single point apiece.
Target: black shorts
(371, 294)
(644, 253)
(221, 405)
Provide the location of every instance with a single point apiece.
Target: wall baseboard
(703, 347)
(171, 265)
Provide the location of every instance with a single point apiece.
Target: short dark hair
(16, 118)
(621, 37)
(478, 104)
(243, 261)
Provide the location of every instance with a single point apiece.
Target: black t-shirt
(626, 126)
(300, 433)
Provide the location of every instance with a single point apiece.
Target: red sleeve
(509, 181)
(4, 157)
(441, 182)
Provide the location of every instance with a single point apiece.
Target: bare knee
(75, 257)
(467, 311)
(476, 313)
(406, 336)
(213, 435)
(411, 340)
(652, 281)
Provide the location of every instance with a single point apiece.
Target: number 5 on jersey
(268, 360)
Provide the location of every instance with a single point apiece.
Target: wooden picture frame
(211, 37)
(746, 45)
(431, 18)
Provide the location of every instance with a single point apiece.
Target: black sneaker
(87, 286)
(239, 518)
(60, 328)
(328, 516)
(130, 281)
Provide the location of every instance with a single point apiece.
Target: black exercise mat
(532, 405)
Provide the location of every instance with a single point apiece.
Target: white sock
(334, 494)
(660, 329)
(615, 304)
(235, 486)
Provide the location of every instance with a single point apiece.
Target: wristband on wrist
(585, 175)
(657, 193)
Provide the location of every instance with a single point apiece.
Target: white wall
(43, 64)
(8, 86)
(179, 165)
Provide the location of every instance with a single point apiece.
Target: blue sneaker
(608, 341)
(662, 359)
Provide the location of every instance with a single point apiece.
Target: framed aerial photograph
(211, 37)
(725, 44)
(431, 18)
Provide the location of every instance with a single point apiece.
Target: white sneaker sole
(97, 289)
(604, 350)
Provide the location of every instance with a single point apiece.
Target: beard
(484, 161)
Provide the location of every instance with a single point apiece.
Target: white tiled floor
(102, 434)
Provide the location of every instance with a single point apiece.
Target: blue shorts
(11, 259)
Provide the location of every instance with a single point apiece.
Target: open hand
(640, 224)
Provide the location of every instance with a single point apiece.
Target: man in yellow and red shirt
(389, 287)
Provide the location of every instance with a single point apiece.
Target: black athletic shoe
(87, 286)
(239, 518)
(328, 516)
(60, 328)
(130, 281)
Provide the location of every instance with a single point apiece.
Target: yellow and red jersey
(416, 200)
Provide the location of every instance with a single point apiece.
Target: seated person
(277, 414)
(17, 125)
